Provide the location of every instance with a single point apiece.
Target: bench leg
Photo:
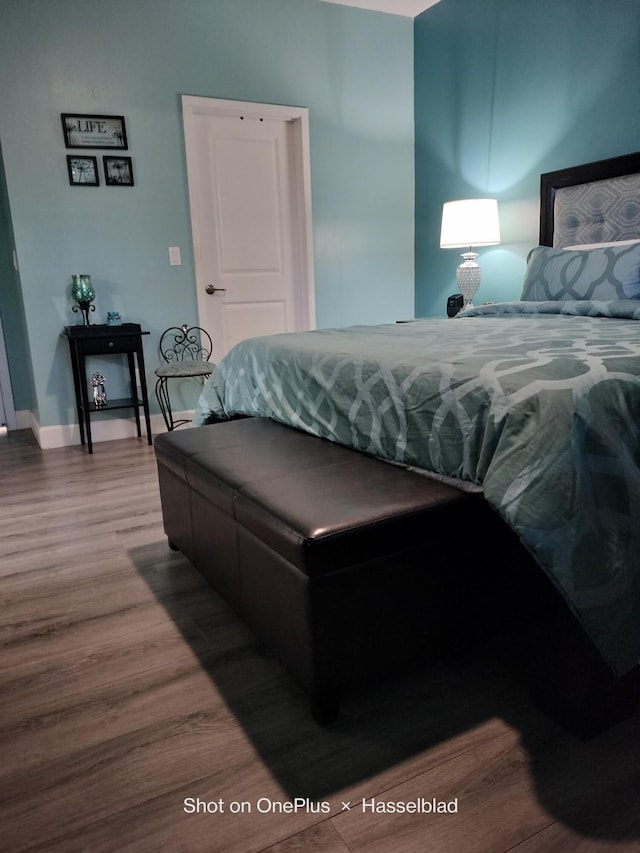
(325, 707)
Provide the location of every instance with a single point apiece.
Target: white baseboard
(109, 429)
(24, 419)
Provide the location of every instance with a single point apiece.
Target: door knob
(210, 289)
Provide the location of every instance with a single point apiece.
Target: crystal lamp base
(468, 278)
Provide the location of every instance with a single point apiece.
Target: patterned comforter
(536, 403)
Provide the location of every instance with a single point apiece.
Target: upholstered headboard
(592, 203)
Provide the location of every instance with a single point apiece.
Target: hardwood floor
(128, 691)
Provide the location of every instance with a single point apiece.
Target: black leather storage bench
(335, 560)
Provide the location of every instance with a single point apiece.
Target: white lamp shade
(470, 222)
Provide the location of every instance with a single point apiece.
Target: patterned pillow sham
(616, 243)
(598, 274)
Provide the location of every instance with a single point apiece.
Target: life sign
(88, 126)
(93, 131)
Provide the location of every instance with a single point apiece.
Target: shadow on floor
(409, 724)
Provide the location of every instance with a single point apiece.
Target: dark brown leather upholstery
(334, 559)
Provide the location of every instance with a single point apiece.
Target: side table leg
(134, 390)
(76, 387)
(143, 390)
(84, 395)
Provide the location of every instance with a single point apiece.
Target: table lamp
(469, 222)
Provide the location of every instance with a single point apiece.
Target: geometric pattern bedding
(606, 273)
(536, 403)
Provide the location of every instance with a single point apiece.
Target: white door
(249, 193)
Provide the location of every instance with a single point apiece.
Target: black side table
(107, 340)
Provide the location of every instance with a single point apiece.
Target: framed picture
(118, 171)
(83, 171)
(91, 131)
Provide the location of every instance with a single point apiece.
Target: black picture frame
(118, 171)
(83, 170)
(94, 131)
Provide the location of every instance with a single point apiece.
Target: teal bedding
(536, 403)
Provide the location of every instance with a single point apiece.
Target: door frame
(7, 408)
(302, 231)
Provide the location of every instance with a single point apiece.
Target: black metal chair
(185, 351)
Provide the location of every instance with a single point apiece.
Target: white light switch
(174, 256)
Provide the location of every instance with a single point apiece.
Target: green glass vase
(83, 294)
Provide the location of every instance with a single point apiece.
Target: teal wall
(506, 90)
(352, 69)
(503, 91)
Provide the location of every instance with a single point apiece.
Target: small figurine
(99, 394)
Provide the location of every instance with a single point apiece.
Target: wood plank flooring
(129, 690)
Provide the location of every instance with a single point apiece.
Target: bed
(534, 402)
